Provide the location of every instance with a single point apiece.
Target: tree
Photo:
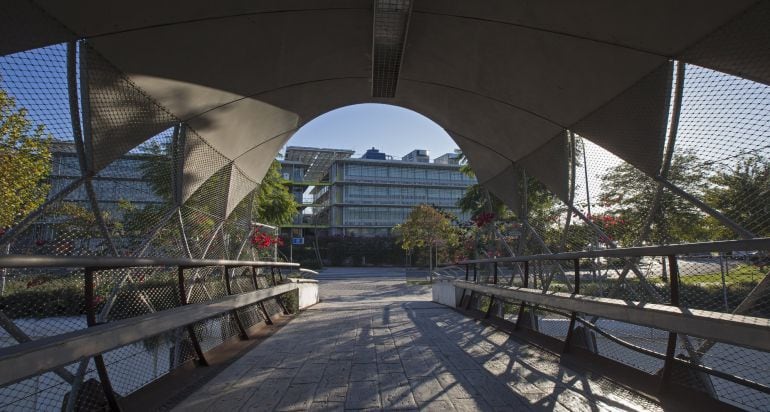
(25, 162)
(627, 195)
(742, 194)
(426, 226)
(275, 205)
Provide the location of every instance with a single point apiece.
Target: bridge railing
(103, 327)
(694, 316)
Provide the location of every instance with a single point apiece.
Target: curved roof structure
(505, 78)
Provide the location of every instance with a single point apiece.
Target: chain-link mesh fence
(65, 193)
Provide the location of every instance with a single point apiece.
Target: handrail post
(277, 298)
(526, 274)
(190, 329)
(673, 268)
(573, 317)
(523, 305)
(241, 329)
(260, 304)
(101, 368)
(492, 297)
(467, 273)
(475, 278)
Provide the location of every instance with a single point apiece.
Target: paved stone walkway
(377, 343)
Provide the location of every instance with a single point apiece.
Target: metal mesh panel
(737, 361)
(121, 115)
(724, 124)
(50, 391)
(134, 366)
(42, 302)
(391, 20)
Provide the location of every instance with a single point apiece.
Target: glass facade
(369, 197)
(405, 172)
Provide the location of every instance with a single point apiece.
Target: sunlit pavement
(375, 342)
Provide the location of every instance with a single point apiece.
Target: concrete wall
(308, 292)
(445, 293)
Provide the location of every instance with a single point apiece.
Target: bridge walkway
(375, 342)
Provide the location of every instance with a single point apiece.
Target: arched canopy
(504, 78)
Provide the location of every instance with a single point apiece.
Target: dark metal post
(526, 274)
(577, 277)
(467, 273)
(280, 275)
(492, 297)
(260, 304)
(572, 319)
(475, 277)
(278, 298)
(236, 316)
(673, 267)
(523, 305)
(190, 329)
(101, 368)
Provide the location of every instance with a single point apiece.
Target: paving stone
(363, 372)
(327, 407)
(363, 394)
(427, 389)
(298, 397)
(310, 373)
(337, 372)
(267, 396)
(330, 394)
(390, 368)
(368, 347)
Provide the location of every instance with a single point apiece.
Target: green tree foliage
(275, 205)
(627, 196)
(743, 194)
(426, 226)
(25, 162)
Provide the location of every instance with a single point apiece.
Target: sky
(391, 129)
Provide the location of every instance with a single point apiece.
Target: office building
(368, 197)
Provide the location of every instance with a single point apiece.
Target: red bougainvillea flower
(40, 242)
(262, 240)
(483, 218)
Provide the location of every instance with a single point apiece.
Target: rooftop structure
(418, 155)
(316, 159)
(448, 159)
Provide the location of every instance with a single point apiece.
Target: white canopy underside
(504, 78)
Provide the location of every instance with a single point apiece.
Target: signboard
(298, 241)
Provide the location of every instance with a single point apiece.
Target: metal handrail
(106, 262)
(30, 358)
(665, 250)
(38, 356)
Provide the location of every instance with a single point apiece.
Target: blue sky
(391, 129)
